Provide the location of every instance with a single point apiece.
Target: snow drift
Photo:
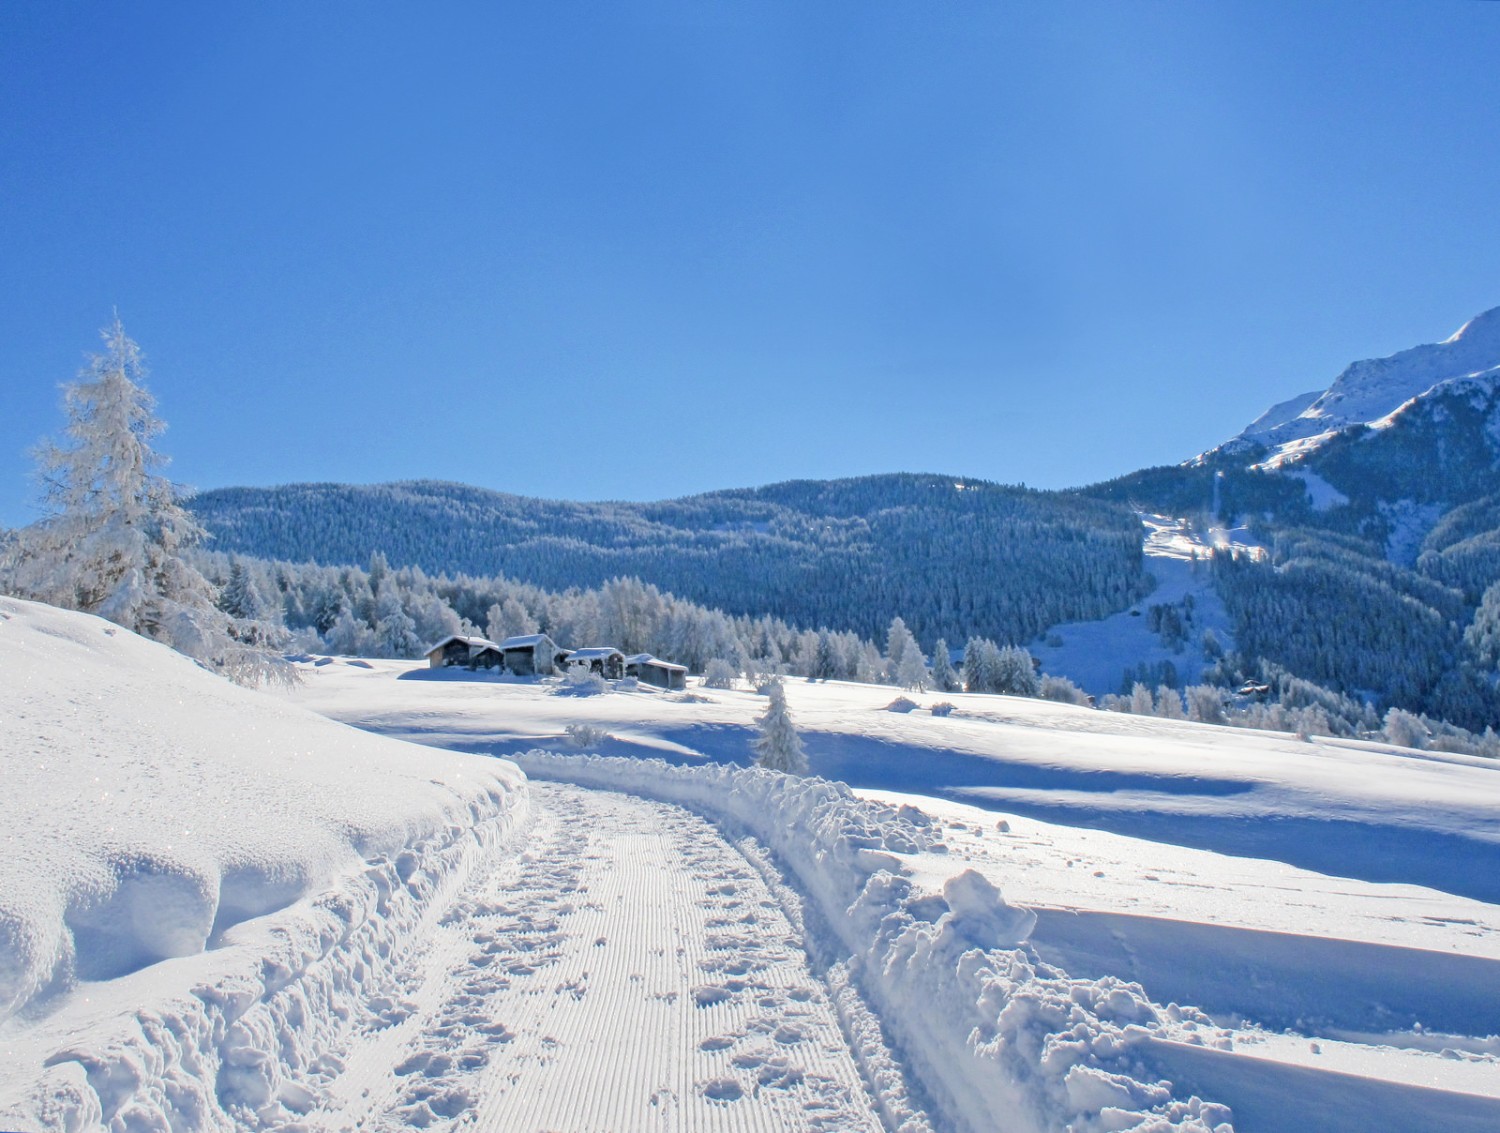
(153, 811)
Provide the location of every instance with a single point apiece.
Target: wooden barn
(654, 671)
(604, 660)
(532, 654)
(470, 652)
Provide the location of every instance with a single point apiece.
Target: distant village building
(532, 654)
(654, 671)
(470, 652)
(536, 654)
(604, 660)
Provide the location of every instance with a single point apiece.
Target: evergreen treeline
(954, 558)
(398, 612)
(1331, 610)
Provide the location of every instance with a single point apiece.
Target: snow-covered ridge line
(1371, 390)
(991, 1031)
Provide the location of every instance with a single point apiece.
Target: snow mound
(989, 1028)
(153, 807)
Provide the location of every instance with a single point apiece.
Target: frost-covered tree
(826, 662)
(944, 675)
(719, 673)
(778, 747)
(351, 637)
(1205, 704)
(1405, 729)
(898, 642)
(979, 665)
(1140, 700)
(508, 619)
(1063, 690)
(395, 631)
(115, 539)
(1015, 674)
(241, 597)
(1169, 703)
(911, 670)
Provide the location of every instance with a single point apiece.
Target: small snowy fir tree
(944, 675)
(778, 748)
(898, 642)
(911, 671)
(825, 664)
(241, 598)
(115, 540)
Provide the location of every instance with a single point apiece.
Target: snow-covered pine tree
(778, 747)
(241, 598)
(911, 670)
(1015, 675)
(898, 642)
(944, 675)
(395, 632)
(115, 539)
(826, 660)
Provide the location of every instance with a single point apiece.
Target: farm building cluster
(536, 654)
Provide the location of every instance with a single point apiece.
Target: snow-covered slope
(1095, 655)
(154, 816)
(1306, 931)
(1369, 390)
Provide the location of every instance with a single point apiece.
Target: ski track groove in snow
(630, 969)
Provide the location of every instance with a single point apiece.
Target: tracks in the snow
(628, 969)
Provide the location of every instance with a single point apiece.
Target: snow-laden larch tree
(115, 535)
(778, 747)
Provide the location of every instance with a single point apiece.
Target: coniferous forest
(953, 557)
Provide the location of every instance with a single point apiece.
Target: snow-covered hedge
(996, 1036)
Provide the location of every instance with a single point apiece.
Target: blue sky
(637, 251)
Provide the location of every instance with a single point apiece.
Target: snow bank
(993, 1033)
(155, 815)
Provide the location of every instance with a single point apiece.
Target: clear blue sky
(641, 250)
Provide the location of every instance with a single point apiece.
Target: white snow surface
(186, 863)
(1314, 926)
(1372, 389)
(1025, 915)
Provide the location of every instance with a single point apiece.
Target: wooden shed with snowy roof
(470, 652)
(605, 660)
(654, 671)
(531, 654)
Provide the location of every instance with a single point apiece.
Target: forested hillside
(1383, 539)
(955, 558)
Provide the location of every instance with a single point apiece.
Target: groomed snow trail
(628, 970)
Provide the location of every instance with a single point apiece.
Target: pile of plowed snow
(150, 808)
(992, 1032)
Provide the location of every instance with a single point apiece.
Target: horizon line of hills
(1378, 497)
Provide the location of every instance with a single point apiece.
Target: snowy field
(222, 909)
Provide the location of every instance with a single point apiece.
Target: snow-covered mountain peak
(1370, 390)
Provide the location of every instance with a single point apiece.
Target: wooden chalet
(470, 652)
(604, 660)
(532, 654)
(654, 671)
